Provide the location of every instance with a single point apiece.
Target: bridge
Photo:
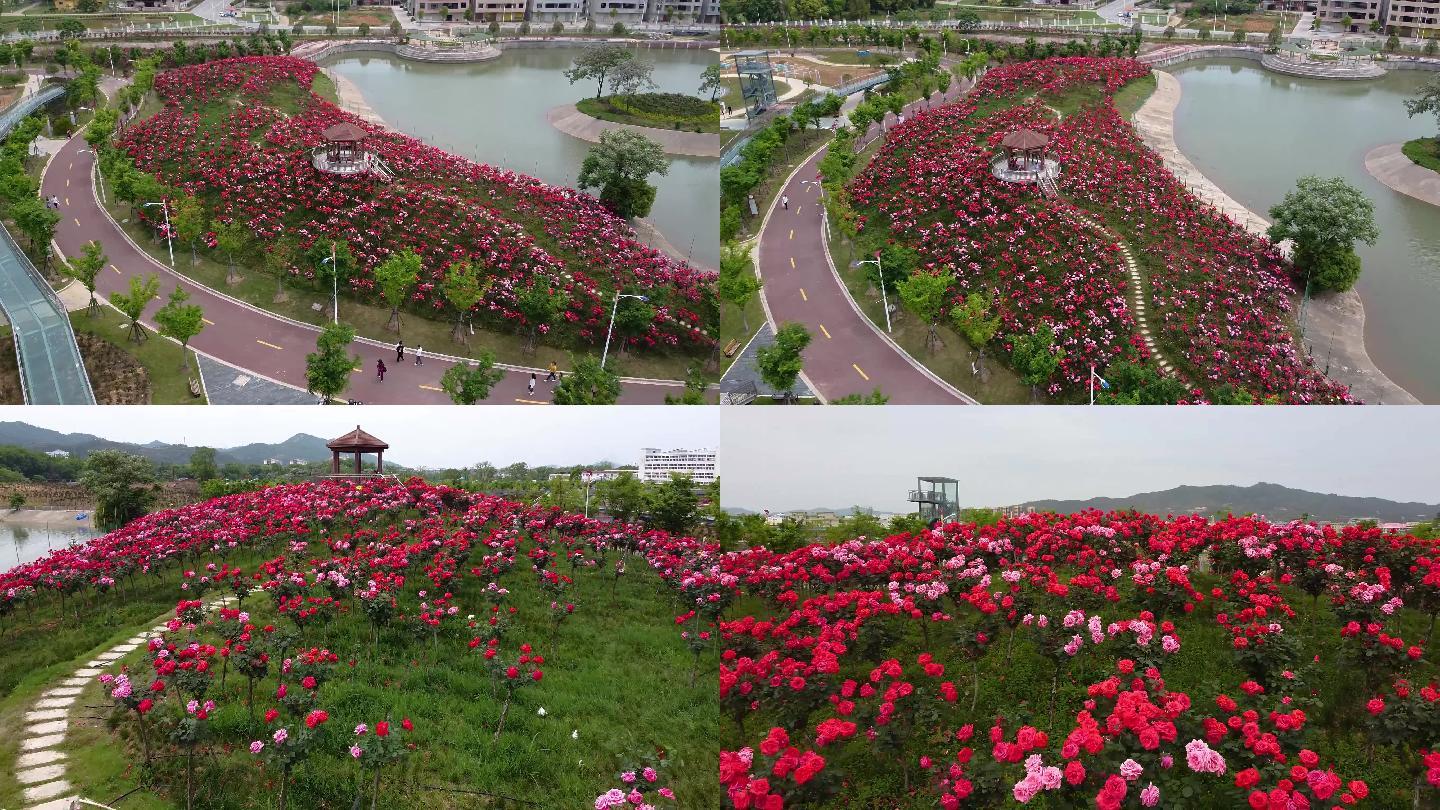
(51, 370)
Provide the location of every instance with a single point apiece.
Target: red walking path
(261, 342)
(847, 354)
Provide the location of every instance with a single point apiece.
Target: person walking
(380, 370)
(532, 382)
(785, 202)
(419, 355)
(550, 377)
(400, 352)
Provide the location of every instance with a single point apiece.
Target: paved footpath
(847, 354)
(40, 766)
(261, 342)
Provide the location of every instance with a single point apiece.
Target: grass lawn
(324, 87)
(48, 21)
(1423, 152)
(169, 383)
(605, 111)
(1130, 98)
(353, 16)
(733, 326)
(732, 95)
(619, 685)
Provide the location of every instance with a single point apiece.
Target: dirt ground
(118, 379)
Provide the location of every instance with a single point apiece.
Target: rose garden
(1090, 660)
(377, 645)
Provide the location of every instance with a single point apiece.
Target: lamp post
(334, 282)
(884, 299)
(169, 233)
(613, 310)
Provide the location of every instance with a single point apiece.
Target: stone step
(41, 742)
(78, 680)
(55, 702)
(38, 758)
(49, 790)
(48, 728)
(88, 672)
(44, 773)
(54, 804)
(62, 691)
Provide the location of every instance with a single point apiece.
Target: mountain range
(300, 446)
(1274, 501)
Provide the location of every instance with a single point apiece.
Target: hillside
(300, 446)
(1274, 501)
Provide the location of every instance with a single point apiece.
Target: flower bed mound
(1220, 297)
(1091, 660)
(238, 134)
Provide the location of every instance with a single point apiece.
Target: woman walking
(380, 370)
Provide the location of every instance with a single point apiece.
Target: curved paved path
(266, 344)
(1389, 165)
(847, 353)
(569, 120)
(40, 766)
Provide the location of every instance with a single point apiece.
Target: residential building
(658, 465)
(58, 453)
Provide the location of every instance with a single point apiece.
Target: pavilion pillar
(334, 462)
(379, 461)
(358, 454)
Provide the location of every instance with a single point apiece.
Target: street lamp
(613, 310)
(169, 233)
(334, 281)
(884, 299)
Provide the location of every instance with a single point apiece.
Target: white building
(58, 453)
(656, 466)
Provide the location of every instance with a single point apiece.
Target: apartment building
(1360, 12)
(657, 465)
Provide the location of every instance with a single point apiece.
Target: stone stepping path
(1136, 288)
(40, 768)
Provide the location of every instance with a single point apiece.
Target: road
(847, 355)
(258, 341)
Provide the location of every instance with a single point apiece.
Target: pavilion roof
(344, 131)
(1025, 139)
(357, 439)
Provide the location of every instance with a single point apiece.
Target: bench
(730, 348)
(194, 388)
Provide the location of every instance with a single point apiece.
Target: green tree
(623, 497)
(86, 268)
(588, 384)
(875, 397)
(69, 28)
(780, 362)
(232, 239)
(122, 485)
(468, 383)
(395, 277)
(696, 387)
(37, 221)
(1137, 384)
(132, 305)
(972, 317)
(597, 63)
(925, 295)
(710, 82)
(1035, 357)
(17, 501)
(328, 368)
(180, 321)
(618, 165)
(737, 282)
(673, 505)
(188, 220)
(1427, 100)
(632, 76)
(1324, 217)
(463, 287)
(202, 463)
(540, 303)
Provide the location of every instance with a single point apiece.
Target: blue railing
(51, 369)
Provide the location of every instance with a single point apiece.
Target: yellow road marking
(116, 269)
(797, 210)
(825, 331)
(433, 388)
(792, 233)
(207, 320)
(67, 182)
(71, 166)
(531, 401)
(271, 345)
(67, 200)
(803, 296)
(860, 372)
(792, 258)
(77, 223)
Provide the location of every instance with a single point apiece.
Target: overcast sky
(799, 458)
(421, 436)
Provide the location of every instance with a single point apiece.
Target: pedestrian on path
(785, 202)
(419, 355)
(400, 352)
(532, 382)
(550, 378)
(380, 370)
